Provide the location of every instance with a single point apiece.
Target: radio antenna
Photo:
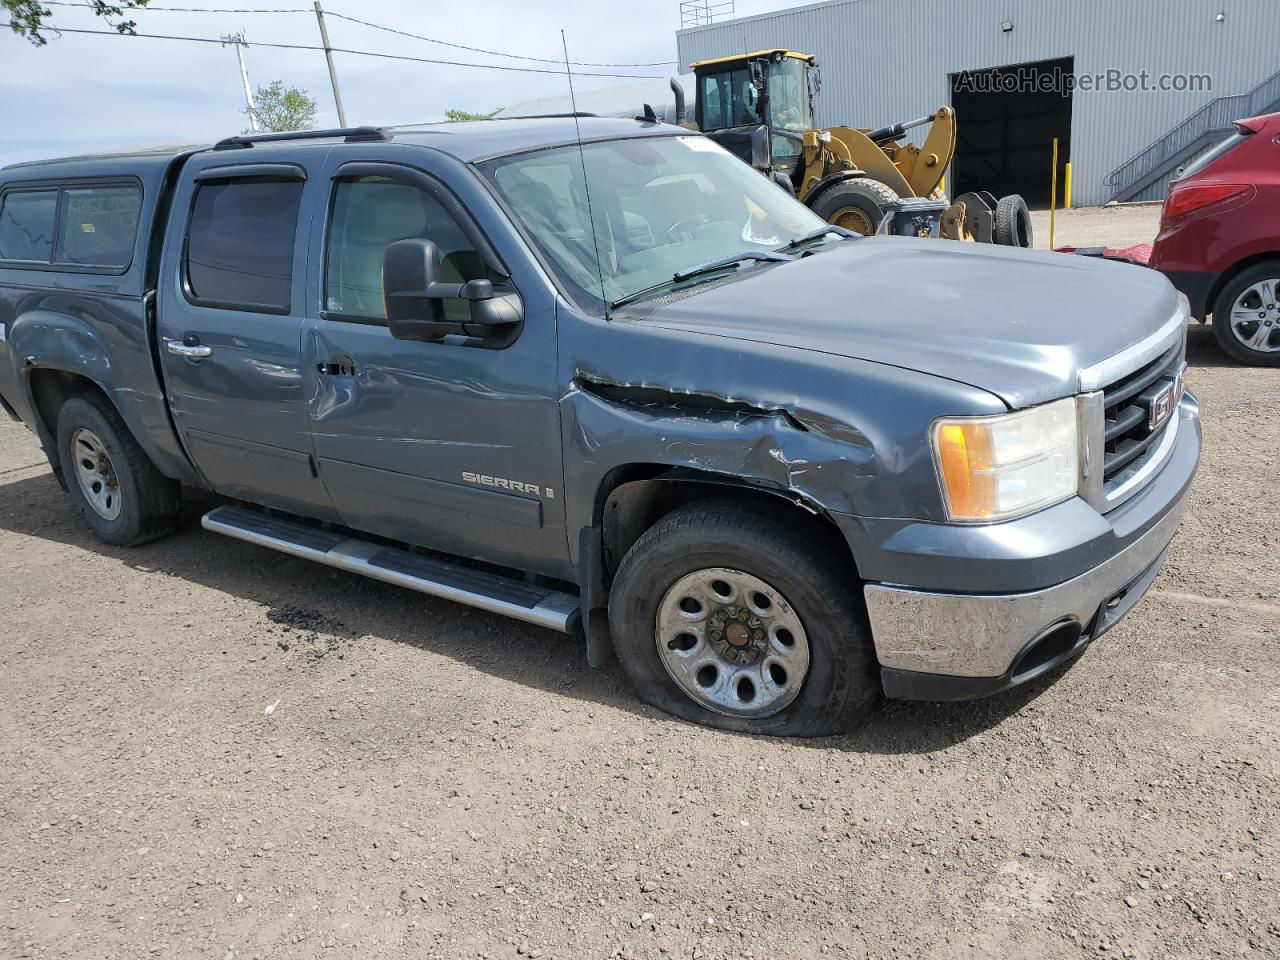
(586, 185)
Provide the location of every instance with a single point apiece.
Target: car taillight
(1196, 196)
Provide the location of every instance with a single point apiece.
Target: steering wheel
(683, 228)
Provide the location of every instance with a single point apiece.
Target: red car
(1219, 240)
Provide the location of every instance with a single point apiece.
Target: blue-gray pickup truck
(600, 376)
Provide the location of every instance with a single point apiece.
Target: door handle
(189, 347)
(338, 367)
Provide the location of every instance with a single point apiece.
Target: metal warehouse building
(889, 60)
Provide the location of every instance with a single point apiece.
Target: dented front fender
(846, 436)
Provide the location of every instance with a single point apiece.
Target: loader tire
(856, 204)
(1013, 222)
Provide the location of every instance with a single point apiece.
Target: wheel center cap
(737, 634)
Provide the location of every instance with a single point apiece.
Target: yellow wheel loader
(760, 106)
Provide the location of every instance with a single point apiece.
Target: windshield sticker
(699, 143)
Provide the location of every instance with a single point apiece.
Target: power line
(358, 53)
(375, 26)
(494, 53)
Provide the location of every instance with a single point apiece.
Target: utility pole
(237, 41)
(333, 73)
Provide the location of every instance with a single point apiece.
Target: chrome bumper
(978, 635)
(982, 634)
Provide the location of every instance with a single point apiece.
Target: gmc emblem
(1162, 405)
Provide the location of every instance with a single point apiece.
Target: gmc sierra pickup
(600, 376)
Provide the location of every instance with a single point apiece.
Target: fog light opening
(1051, 648)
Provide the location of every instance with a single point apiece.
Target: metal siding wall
(871, 53)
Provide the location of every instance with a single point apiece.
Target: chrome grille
(1129, 406)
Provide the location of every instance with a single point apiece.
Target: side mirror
(783, 181)
(415, 298)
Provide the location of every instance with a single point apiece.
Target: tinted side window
(240, 244)
(371, 213)
(99, 225)
(26, 225)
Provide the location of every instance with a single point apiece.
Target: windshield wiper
(703, 270)
(722, 263)
(818, 234)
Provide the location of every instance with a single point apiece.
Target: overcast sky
(90, 93)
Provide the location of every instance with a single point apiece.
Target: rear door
(453, 445)
(231, 310)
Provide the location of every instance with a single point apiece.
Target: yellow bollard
(1053, 192)
(1066, 187)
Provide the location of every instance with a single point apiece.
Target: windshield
(788, 105)
(661, 205)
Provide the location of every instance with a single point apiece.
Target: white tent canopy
(627, 100)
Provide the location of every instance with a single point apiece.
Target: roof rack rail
(548, 116)
(349, 135)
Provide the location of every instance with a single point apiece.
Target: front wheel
(1246, 316)
(744, 620)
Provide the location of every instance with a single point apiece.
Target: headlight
(994, 468)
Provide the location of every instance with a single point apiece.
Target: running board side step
(437, 578)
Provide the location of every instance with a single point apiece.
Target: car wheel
(858, 205)
(1246, 316)
(744, 620)
(1013, 222)
(123, 497)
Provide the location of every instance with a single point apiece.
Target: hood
(1017, 323)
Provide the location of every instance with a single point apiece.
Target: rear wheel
(121, 494)
(744, 620)
(858, 204)
(1246, 316)
(1013, 222)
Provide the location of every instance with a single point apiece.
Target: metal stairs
(1145, 175)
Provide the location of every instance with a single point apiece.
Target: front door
(455, 444)
(230, 317)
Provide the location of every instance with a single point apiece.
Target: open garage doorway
(1006, 119)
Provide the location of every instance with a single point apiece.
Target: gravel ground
(211, 750)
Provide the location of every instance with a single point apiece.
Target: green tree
(468, 115)
(29, 17)
(278, 108)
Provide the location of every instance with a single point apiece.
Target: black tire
(149, 503)
(801, 562)
(858, 204)
(1013, 222)
(1229, 337)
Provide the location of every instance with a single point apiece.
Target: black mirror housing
(409, 268)
(415, 298)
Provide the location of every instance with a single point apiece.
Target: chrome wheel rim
(1255, 316)
(96, 474)
(732, 643)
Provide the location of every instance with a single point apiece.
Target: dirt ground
(1119, 226)
(210, 750)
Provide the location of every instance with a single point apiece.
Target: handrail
(1218, 114)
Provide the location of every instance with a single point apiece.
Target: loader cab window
(728, 99)
(790, 113)
(368, 215)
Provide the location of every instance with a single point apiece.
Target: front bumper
(950, 644)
